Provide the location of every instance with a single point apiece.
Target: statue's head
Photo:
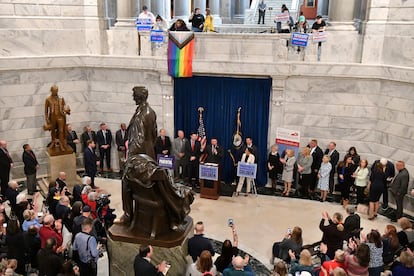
(54, 89)
(140, 94)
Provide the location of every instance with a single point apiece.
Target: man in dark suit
(87, 135)
(389, 175)
(6, 163)
(334, 154)
(104, 139)
(399, 188)
(91, 162)
(72, 138)
(317, 155)
(253, 149)
(215, 152)
(120, 138)
(30, 167)
(163, 144)
(195, 150)
(142, 263)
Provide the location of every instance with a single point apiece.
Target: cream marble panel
(6, 9)
(379, 13)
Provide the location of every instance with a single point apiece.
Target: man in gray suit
(181, 150)
(399, 187)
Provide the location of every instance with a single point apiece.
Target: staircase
(273, 7)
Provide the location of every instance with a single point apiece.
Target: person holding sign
(247, 157)
(145, 14)
(319, 25)
(284, 22)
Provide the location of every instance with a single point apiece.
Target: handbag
(366, 190)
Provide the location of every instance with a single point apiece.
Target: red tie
(192, 145)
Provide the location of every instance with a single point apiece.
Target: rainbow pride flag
(180, 54)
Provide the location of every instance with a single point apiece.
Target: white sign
(319, 37)
(282, 17)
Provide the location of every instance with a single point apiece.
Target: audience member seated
(11, 194)
(240, 267)
(373, 240)
(303, 264)
(142, 263)
(85, 191)
(11, 268)
(77, 221)
(203, 264)
(61, 183)
(179, 25)
(32, 246)
(31, 219)
(49, 262)
(228, 251)
(333, 233)
(390, 245)
(280, 269)
(292, 241)
(405, 266)
(406, 235)
(352, 223)
(3, 246)
(329, 266)
(15, 244)
(357, 264)
(199, 243)
(22, 204)
(47, 231)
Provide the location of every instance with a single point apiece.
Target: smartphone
(289, 231)
(230, 222)
(4, 225)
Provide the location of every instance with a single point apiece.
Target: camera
(103, 200)
(230, 223)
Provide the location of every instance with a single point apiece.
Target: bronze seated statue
(152, 203)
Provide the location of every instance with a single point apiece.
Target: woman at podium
(247, 157)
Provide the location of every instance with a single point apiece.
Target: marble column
(182, 9)
(161, 7)
(240, 8)
(214, 6)
(201, 4)
(341, 11)
(124, 17)
(226, 11)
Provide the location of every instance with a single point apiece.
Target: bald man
(399, 187)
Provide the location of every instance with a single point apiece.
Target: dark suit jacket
(214, 158)
(5, 162)
(160, 146)
(317, 156)
(70, 139)
(400, 184)
(90, 159)
(30, 162)
(196, 152)
(100, 139)
(143, 268)
(85, 138)
(198, 244)
(334, 159)
(119, 141)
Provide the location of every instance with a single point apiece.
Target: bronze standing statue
(55, 116)
(152, 203)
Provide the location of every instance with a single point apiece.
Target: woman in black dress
(355, 156)
(345, 174)
(376, 189)
(274, 166)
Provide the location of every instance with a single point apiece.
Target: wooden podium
(209, 181)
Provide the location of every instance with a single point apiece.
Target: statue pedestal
(123, 246)
(63, 163)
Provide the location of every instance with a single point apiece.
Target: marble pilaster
(226, 10)
(341, 14)
(240, 8)
(181, 9)
(161, 7)
(214, 6)
(124, 17)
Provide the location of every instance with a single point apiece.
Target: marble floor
(260, 220)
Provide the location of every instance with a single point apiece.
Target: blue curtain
(221, 97)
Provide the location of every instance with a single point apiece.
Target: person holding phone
(197, 20)
(292, 241)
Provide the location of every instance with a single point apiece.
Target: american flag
(201, 132)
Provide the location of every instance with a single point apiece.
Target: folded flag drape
(180, 54)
